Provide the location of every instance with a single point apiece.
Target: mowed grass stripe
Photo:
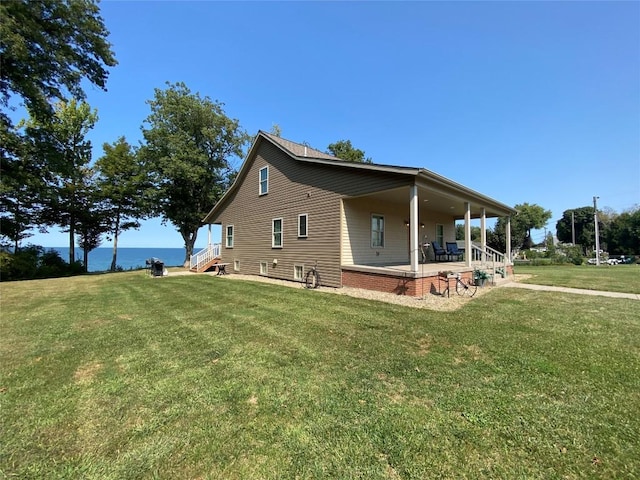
(125, 376)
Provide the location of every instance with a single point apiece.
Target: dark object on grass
(155, 266)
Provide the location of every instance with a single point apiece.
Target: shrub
(33, 261)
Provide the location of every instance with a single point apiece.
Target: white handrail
(489, 258)
(204, 256)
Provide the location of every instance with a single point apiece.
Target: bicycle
(312, 279)
(463, 288)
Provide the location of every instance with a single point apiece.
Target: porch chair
(454, 251)
(439, 252)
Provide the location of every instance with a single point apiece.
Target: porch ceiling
(437, 201)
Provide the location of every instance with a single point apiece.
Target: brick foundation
(399, 285)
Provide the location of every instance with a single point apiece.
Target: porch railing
(489, 259)
(204, 256)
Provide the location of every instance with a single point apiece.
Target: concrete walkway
(579, 291)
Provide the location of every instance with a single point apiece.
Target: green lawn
(123, 376)
(614, 278)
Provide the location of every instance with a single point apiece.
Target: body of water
(128, 258)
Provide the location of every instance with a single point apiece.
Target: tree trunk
(115, 244)
(72, 234)
(86, 259)
(189, 242)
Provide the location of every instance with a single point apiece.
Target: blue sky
(534, 102)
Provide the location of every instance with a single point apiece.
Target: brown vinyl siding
(295, 187)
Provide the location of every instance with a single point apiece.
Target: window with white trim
(298, 272)
(377, 231)
(229, 236)
(236, 265)
(264, 181)
(302, 225)
(264, 268)
(276, 233)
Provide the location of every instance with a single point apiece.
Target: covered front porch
(388, 237)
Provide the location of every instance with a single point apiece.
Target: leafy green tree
(623, 233)
(47, 48)
(21, 191)
(189, 144)
(61, 144)
(91, 222)
(344, 150)
(582, 220)
(529, 217)
(475, 233)
(124, 189)
(276, 130)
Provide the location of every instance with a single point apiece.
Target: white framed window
(264, 268)
(298, 272)
(440, 234)
(229, 236)
(377, 231)
(276, 233)
(264, 181)
(303, 222)
(236, 265)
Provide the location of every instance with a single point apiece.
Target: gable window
(264, 180)
(276, 233)
(302, 225)
(377, 231)
(440, 234)
(229, 236)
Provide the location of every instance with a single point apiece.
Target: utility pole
(595, 220)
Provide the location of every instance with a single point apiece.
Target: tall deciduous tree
(529, 217)
(47, 47)
(189, 144)
(62, 142)
(623, 233)
(344, 150)
(21, 192)
(578, 221)
(124, 188)
(92, 215)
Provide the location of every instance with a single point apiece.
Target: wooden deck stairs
(205, 259)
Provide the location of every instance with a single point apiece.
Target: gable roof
(304, 153)
(297, 149)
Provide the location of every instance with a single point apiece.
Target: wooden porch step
(206, 266)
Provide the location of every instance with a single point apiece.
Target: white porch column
(508, 240)
(467, 234)
(209, 238)
(413, 227)
(483, 234)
